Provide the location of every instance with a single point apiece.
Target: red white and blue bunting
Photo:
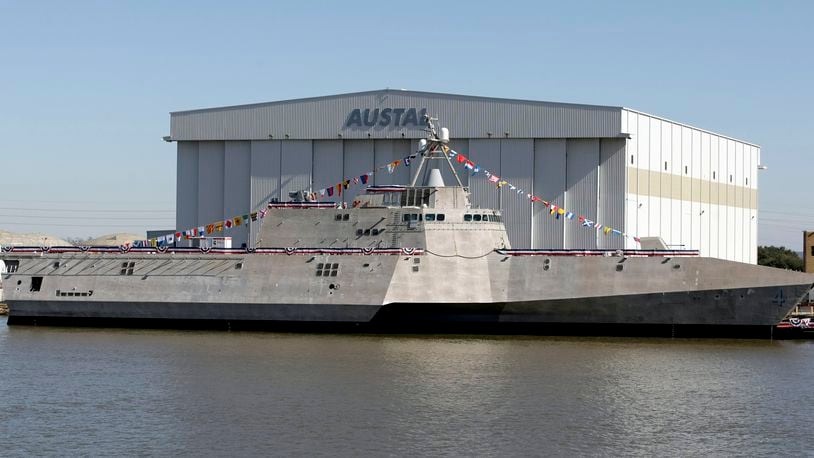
(289, 251)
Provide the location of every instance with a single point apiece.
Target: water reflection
(91, 391)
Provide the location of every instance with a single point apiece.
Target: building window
(429, 217)
(327, 269)
(713, 174)
(686, 170)
(730, 178)
(467, 217)
(476, 217)
(665, 166)
(631, 159)
(440, 217)
(346, 217)
(338, 217)
(747, 182)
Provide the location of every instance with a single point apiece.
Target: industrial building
(639, 173)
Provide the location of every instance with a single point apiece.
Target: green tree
(778, 256)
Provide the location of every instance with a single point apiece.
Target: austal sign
(384, 117)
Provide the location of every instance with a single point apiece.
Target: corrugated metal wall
(186, 188)
(549, 184)
(516, 161)
(581, 184)
(210, 181)
(611, 203)
(237, 185)
(233, 178)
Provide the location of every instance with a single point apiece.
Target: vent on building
(327, 269)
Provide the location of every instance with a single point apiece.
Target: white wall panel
(676, 165)
(643, 143)
(582, 161)
(695, 164)
(714, 217)
(516, 161)
(549, 184)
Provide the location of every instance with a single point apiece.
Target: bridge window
(467, 217)
(36, 284)
(476, 217)
(411, 217)
(374, 232)
(429, 217)
(415, 197)
(440, 217)
(12, 266)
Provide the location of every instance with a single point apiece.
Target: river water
(74, 391)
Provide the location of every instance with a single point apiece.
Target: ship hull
(406, 292)
(727, 313)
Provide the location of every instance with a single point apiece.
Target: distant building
(638, 173)
(808, 252)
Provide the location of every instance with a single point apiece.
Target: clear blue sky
(86, 87)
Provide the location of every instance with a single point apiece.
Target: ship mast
(434, 148)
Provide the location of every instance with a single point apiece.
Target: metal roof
(335, 116)
(374, 114)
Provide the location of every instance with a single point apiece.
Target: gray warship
(408, 258)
